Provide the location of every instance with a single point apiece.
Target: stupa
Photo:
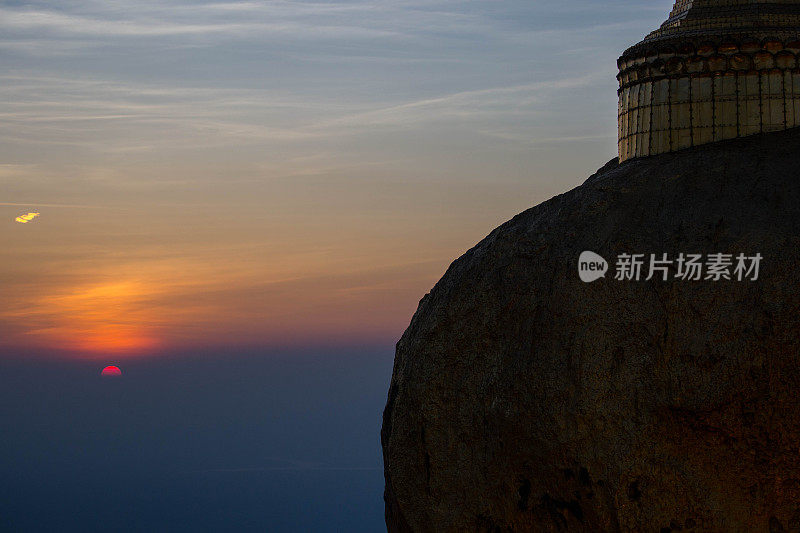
(715, 70)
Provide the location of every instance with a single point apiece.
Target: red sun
(111, 371)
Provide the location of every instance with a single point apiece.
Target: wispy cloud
(296, 20)
(292, 71)
(376, 23)
(96, 27)
(75, 206)
(78, 112)
(480, 103)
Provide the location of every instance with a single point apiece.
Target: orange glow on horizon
(101, 319)
(117, 339)
(138, 297)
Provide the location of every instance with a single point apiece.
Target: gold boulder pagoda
(715, 70)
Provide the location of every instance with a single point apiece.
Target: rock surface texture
(523, 399)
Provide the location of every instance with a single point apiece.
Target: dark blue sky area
(214, 442)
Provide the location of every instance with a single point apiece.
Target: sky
(279, 173)
(241, 204)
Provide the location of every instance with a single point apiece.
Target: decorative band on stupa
(715, 70)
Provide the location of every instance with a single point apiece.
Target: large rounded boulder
(525, 399)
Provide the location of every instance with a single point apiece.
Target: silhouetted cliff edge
(524, 399)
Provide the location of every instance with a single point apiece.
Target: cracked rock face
(524, 399)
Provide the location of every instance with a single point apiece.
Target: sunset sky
(279, 173)
(240, 204)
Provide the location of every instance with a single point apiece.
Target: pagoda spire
(714, 70)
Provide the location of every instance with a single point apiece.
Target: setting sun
(111, 371)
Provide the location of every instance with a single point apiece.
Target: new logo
(591, 267)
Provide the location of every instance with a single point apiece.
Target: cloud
(51, 205)
(382, 25)
(289, 77)
(122, 117)
(482, 104)
(278, 19)
(24, 219)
